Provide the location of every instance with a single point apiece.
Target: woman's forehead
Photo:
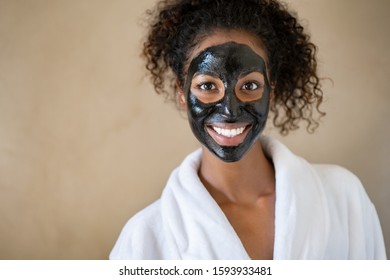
(231, 57)
(220, 37)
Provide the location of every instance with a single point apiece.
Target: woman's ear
(180, 96)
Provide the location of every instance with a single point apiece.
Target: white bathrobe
(321, 212)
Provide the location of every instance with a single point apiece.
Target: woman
(244, 195)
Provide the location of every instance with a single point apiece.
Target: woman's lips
(228, 134)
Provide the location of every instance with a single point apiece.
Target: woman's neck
(241, 182)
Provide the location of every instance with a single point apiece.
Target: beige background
(85, 143)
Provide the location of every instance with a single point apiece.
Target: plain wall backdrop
(85, 142)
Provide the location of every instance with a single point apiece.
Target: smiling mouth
(226, 134)
(230, 133)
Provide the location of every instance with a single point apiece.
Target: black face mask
(229, 126)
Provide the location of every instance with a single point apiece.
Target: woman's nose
(231, 106)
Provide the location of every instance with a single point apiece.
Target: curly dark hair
(177, 26)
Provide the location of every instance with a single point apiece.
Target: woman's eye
(207, 86)
(250, 86)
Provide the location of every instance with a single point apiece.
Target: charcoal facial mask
(227, 94)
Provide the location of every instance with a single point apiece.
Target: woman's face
(227, 93)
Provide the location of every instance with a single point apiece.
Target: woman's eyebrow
(206, 73)
(248, 72)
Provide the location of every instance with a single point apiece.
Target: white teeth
(229, 132)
